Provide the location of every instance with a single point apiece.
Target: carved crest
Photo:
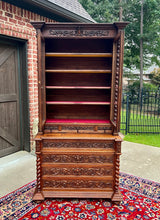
(79, 32)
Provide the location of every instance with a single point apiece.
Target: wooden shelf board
(78, 87)
(79, 151)
(78, 54)
(75, 121)
(76, 103)
(77, 71)
(72, 177)
(77, 136)
(83, 165)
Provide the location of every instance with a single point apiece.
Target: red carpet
(141, 200)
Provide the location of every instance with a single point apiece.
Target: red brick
(8, 15)
(2, 25)
(3, 18)
(13, 20)
(24, 29)
(19, 11)
(1, 31)
(29, 25)
(14, 9)
(14, 28)
(4, 6)
(32, 16)
(18, 17)
(25, 14)
(9, 7)
(21, 23)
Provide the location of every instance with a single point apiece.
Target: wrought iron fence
(140, 112)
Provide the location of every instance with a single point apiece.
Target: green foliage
(134, 90)
(108, 11)
(135, 87)
(151, 36)
(102, 10)
(155, 76)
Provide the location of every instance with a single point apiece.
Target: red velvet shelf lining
(76, 103)
(77, 121)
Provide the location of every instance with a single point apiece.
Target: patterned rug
(141, 200)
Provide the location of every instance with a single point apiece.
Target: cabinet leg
(38, 196)
(117, 197)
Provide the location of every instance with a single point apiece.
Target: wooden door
(9, 100)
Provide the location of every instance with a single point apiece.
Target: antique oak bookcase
(80, 81)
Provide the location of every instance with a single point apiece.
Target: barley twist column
(38, 196)
(117, 197)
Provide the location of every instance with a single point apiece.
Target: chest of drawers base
(79, 167)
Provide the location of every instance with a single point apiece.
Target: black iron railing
(140, 112)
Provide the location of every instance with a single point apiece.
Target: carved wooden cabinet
(80, 73)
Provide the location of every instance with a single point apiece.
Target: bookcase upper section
(80, 71)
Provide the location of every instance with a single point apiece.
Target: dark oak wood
(78, 87)
(78, 146)
(77, 71)
(78, 54)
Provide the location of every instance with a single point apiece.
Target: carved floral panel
(66, 158)
(76, 184)
(77, 171)
(53, 144)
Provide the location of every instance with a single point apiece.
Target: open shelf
(79, 45)
(78, 81)
(78, 87)
(78, 54)
(76, 103)
(76, 71)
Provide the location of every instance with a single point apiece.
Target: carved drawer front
(78, 144)
(78, 129)
(77, 170)
(73, 157)
(83, 165)
(70, 183)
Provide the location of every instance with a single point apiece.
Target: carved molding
(76, 184)
(53, 144)
(38, 146)
(117, 81)
(118, 147)
(79, 32)
(77, 171)
(78, 158)
(77, 128)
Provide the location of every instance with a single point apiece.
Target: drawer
(78, 157)
(94, 183)
(56, 143)
(77, 169)
(71, 128)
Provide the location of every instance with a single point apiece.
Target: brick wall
(15, 22)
